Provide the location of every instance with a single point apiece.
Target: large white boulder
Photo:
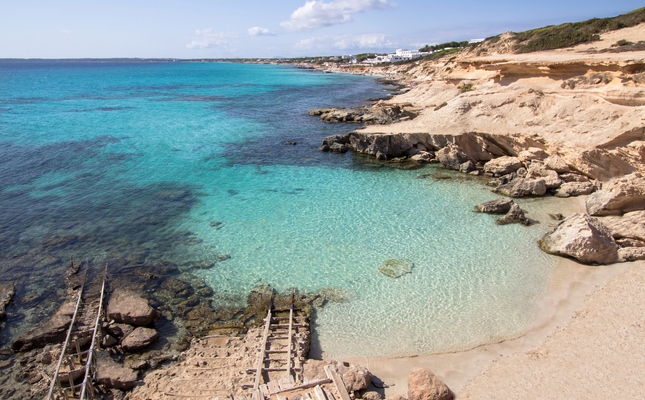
(618, 196)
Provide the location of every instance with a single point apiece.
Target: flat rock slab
(53, 330)
(112, 375)
(395, 268)
(128, 307)
(7, 291)
(497, 206)
(139, 339)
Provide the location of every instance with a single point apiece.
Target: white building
(400, 55)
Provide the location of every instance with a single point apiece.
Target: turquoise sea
(182, 162)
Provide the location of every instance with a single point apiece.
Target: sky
(268, 28)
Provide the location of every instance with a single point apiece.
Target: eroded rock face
(451, 157)
(583, 238)
(569, 189)
(522, 188)
(7, 291)
(618, 196)
(630, 225)
(532, 153)
(497, 206)
(424, 385)
(139, 339)
(631, 254)
(128, 307)
(503, 165)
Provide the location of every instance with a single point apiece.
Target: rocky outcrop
(557, 164)
(502, 165)
(7, 291)
(128, 307)
(424, 385)
(618, 196)
(521, 187)
(582, 237)
(630, 225)
(513, 216)
(53, 330)
(139, 339)
(112, 375)
(497, 206)
(379, 113)
(569, 189)
(395, 268)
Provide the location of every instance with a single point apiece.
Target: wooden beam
(338, 382)
(258, 371)
(320, 395)
(306, 385)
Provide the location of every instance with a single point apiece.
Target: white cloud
(205, 39)
(257, 31)
(317, 13)
(372, 41)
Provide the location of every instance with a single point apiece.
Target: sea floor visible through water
(187, 163)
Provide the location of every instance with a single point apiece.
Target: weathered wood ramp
(75, 363)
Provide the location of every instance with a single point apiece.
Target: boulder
(497, 206)
(569, 189)
(631, 254)
(7, 291)
(451, 156)
(522, 187)
(502, 165)
(355, 377)
(114, 376)
(395, 268)
(618, 196)
(467, 167)
(120, 330)
(109, 341)
(139, 339)
(514, 215)
(532, 153)
(422, 156)
(630, 225)
(128, 307)
(424, 385)
(537, 170)
(53, 330)
(557, 164)
(583, 238)
(371, 395)
(573, 177)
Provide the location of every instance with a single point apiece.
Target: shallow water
(139, 162)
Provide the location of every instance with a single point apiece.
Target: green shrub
(622, 42)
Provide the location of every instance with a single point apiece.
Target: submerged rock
(53, 330)
(618, 196)
(583, 238)
(7, 291)
(128, 307)
(395, 268)
(497, 206)
(424, 385)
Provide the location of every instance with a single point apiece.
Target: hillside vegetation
(571, 34)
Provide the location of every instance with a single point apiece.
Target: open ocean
(183, 162)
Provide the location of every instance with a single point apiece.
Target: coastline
(570, 285)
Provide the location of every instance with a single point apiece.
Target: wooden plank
(338, 382)
(260, 363)
(264, 392)
(290, 340)
(307, 385)
(273, 387)
(320, 395)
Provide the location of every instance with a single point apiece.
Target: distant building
(399, 55)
